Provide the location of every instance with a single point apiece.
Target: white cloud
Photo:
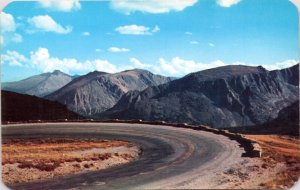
(8, 29)
(272, 66)
(17, 38)
(286, 63)
(155, 29)
(13, 58)
(227, 3)
(98, 50)
(137, 64)
(60, 5)
(188, 33)
(151, 6)
(136, 30)
(1, 40)
(118, 50)
(85, 33)
(211, 45)
(42, 60)
(180, 67)
(194, 42)
(7, 23)
(281, 65)
(46, 24)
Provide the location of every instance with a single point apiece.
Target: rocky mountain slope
(20, 107)
(39, 85)
(287, 123)
(98, 91)
(221, 97)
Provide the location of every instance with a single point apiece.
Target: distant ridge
(20, 107)
(98, 91)
(39, 85)
(222, 97)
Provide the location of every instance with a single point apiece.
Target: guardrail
(252, 149)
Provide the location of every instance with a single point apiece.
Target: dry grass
(280, 149)
(48, 154)
(54, 157)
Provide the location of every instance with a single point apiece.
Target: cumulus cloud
(13, 58)
(118, 50)
(136, 30)
(43, 61)
(138, 64)
(155, 29)
(151, 6)
(227, 3)
(8, 29)
(194, 42)
(85, 33)
(7, 23)
(98, 50)
(281, 65)
(286, 63)
(188, 33)
(60, 5)
(45, 23)
(211, 45)
(180, 67)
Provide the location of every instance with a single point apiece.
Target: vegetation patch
(26, 160)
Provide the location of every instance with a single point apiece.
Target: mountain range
(222, 97)
(226, 96)
(98, 91)
(39, 85)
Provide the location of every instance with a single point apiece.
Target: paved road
(171, 157)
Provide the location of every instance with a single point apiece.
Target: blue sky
(166, 37)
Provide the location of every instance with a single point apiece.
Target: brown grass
(280, 149)
(48, 154)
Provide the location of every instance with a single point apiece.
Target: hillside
(19, 107)
(39, 85)
(287, 123)
(222, 97)
(98, 91)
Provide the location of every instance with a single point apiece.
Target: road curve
(171, 157)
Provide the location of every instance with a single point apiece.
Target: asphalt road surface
(171, 157)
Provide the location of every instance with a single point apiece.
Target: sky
(171, 38)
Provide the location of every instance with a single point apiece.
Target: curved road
(171, 157)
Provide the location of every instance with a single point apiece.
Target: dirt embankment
(283, 151)
(35, 159)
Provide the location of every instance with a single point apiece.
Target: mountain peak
(56, 72)
(136, 71)
(226, 71)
